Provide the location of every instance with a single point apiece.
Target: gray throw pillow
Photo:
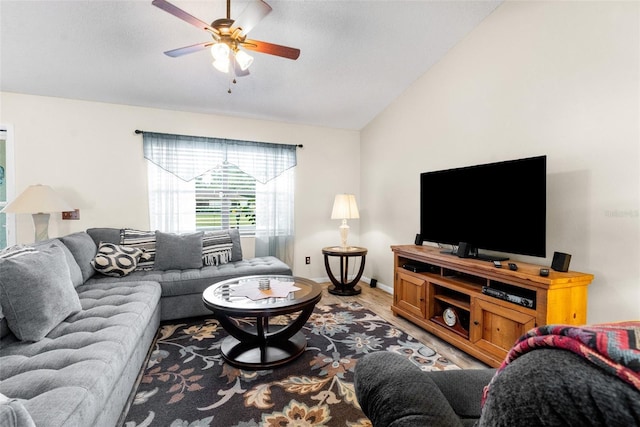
(105, 235)
(178, 251)
(11, 251)
(236, 251)
(74, 268)
(36, 292)
(83, 249)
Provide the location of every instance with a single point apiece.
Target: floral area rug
(187, 383)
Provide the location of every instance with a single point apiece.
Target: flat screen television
(496, 207)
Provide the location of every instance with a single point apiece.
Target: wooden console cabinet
(486, 326)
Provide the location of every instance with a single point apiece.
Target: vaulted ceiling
(357, 56)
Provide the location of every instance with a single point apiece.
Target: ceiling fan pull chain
(232, 79)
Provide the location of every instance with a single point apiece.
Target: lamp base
(344, 233)
(41, 225)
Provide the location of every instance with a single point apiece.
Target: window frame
(10, 225)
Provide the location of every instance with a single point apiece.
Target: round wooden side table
(343, 286)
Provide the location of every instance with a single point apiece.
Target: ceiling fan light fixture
(220, 51)
(244, 59)
(222, 65)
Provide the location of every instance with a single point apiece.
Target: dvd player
(416, 268)
(516, 299)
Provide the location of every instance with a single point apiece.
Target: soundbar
(516, 299)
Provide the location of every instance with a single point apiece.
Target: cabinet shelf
(486, 326)
(465, 305)
(457, 329)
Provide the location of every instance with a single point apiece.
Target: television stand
(478, 308)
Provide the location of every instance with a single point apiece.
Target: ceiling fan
(229, 36)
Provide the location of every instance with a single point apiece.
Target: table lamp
(344, 208)
(38, 200)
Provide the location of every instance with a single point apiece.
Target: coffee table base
(344, 291)
(255, 356)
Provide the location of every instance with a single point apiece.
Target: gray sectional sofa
(73, 340)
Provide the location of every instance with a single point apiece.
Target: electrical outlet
(74, 214)
(307, 260)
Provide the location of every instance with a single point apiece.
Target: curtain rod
(138, 131)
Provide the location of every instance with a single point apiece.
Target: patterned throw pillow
(216, 247)
(145, 240)
(16, 251)
(115, 260)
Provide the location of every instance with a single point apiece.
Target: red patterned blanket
(614, 347)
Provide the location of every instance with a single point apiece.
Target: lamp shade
(345, 207)
(37, 199)
(244, 59)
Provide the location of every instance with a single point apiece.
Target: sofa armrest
(14, 414)
(392, 391)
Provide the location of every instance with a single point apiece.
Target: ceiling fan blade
(251, 15)
(179, 13)
(271, 49)
(188, 49)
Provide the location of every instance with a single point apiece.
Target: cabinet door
(496, 328)
(410, 294)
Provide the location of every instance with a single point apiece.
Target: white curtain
(274, 217)
(172, 207)
(176, 160)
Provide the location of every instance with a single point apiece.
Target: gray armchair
(545, 387)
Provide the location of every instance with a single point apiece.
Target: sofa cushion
(196, 280)
(37, 292)
(145, 240)
(115, 260)
(217, 247)
(13, 413)
(83, 249)
(178, 251)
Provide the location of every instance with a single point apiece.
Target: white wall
(89, 153)
(554, 78)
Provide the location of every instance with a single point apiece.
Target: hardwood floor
(380, 302)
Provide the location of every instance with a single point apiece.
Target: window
(213, 183)
(226, 198)
(7, 223)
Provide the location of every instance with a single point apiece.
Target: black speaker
(418, 240)
(463, 250)
(373, 283)
(560, 261)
